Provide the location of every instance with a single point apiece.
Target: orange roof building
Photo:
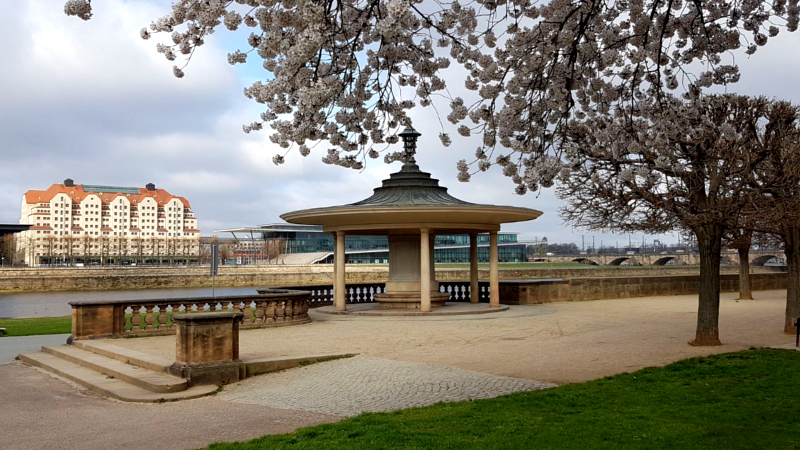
(97, 221)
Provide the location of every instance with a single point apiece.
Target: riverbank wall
(48, 280)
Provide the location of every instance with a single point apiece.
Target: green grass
(513, 266)
(745, 400)
(36, 326)
(544, 266)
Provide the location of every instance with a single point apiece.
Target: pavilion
(410, 208)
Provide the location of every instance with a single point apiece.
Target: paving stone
(348, 387)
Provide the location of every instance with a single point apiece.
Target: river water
(51, 304)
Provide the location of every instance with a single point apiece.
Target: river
(52, 304)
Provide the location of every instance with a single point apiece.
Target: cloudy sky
(94, 102)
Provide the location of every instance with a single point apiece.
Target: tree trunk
(709, 241)
(745, 291)
(791, 246)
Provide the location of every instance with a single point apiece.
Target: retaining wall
(626, 287)
(44, 280)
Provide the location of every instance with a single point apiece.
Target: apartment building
(92, 224)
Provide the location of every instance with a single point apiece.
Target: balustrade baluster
(176, 309)
(288, 311)
(279, 311)
(260, 306)
(162, 317)
(136, 319)
(297, 309)
(248, 313)
(149, 318)
(270, 314)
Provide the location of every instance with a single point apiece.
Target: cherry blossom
(348, 72)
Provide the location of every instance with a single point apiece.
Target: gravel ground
(557, 342)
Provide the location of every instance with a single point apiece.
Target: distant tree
(681, 165)
(138, 247)
(49, 247)
(103, 243)
(569, 248)
(349, 72)
(87, 241)
(7, 249)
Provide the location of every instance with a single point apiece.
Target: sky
(93, 102)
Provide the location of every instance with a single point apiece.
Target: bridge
(757, 258)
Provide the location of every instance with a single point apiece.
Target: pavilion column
(494, 280)
(474, 294)
(425, 270)
(339, 273)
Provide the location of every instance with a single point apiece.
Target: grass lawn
(745, 400)
(544, 266)
(37, 325)
(516, 266)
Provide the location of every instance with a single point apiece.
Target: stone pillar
(474, 293)
(339, 269)
(207, 347)
(494, 279)
(333, 282)
(425, 270)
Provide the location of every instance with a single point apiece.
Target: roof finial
(409, 136)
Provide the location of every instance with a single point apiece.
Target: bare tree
(779, 209)
(104, 247)
(49, 247)
(171, 249)
(138, 247)
(7, 249)
(741, 239)
(686, 165)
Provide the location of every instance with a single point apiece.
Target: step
(106, 386)
(146, 379)
(126, 355)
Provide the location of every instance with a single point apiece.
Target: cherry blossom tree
(344, 74)
(693, 165)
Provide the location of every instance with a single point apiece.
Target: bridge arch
(665, 260)
(761, 260)
(585, 261)
(619, 261)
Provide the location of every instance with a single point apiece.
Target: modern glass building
(372, 249)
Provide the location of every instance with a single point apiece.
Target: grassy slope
(743, 400)
(38, 325)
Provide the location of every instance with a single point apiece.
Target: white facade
(83, 223)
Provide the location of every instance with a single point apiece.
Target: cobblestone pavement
(351, 386)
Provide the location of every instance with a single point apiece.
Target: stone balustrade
(116, 318)
(322, 294)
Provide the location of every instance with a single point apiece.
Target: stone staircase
(116, 372)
